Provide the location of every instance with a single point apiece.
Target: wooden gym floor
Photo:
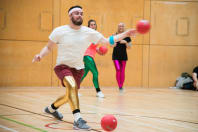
(137, 109)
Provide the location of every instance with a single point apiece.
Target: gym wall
(155, 59)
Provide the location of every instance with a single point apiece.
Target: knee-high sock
(120, 71)
(71, 95)
(91, 66)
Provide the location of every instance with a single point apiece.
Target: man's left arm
(113, 39)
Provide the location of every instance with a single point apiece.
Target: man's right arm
(47, 49)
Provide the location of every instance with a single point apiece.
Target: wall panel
(155, 59)
(26, 19)
(168, 62)
(174, 23)
(173, 41)
(16, 65)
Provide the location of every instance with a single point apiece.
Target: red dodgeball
(103, 49)
(143, 26)
(108, 122)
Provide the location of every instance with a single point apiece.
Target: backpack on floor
(185, 78)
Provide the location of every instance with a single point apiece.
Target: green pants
(91, 66)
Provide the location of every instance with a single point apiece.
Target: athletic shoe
(100, 94)
(81, 124)
(79, 95)
(55, 114)
(121, 90)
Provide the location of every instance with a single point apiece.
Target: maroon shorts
(64, 70)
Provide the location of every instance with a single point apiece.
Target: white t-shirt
(72, 44)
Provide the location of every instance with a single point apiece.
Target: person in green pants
(89, 62)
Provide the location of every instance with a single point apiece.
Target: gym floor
(136, 109)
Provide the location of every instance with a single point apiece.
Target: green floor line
(30, 126)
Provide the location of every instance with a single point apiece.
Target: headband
(74, 9)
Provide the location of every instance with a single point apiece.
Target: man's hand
(46, 50)
(36, 58)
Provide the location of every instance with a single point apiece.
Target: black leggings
(188, 86)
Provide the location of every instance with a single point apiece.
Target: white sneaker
(79, 95)
(100, 95)
(121, 90)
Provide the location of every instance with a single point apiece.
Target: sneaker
(81, 124)
(121, 90)
(100, 94)
(55, 114)
(79, 95)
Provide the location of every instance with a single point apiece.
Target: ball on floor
(108, 122)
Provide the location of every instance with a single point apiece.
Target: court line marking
(33, 99)
(132, 115)
(135, 122)
(156, 119)
(39, 115)
(23, 124)
(153, 117)
(9, 129)
(140, 117)
(50, 125)
(161, 117)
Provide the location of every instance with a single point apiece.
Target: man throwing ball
(72, 40)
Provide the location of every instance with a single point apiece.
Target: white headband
(74, 9)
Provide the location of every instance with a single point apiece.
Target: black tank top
(119, 52)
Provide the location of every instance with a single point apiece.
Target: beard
(77, 22)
